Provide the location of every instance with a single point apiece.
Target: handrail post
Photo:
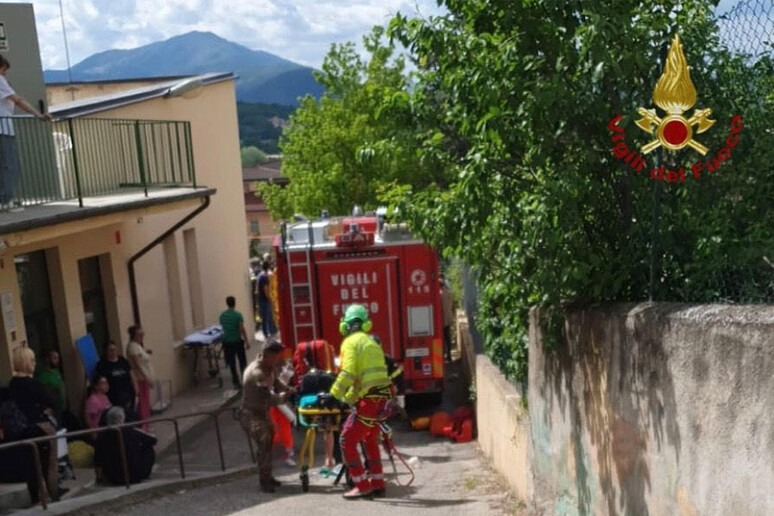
(76, 170)
(124, 461)
(220, 442)
(42, 489)
(140, 160)
(179, 448)
(189, 144)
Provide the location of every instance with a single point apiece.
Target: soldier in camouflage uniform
(260, 390)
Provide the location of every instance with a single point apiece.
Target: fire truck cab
(327, 264)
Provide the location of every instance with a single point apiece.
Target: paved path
(452, 478)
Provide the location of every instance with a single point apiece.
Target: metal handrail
(215, 414)
(73, 158)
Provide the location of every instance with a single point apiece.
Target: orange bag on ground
(420, 423)
(438, 422)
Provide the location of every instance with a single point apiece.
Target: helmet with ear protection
(355, 319)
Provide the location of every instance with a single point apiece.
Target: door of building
(93, 297)
(39, 318)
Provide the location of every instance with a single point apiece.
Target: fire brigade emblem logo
(418, 277)
(675, 94)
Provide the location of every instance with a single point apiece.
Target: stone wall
(465, 348)
(503, 426)
(653, 409)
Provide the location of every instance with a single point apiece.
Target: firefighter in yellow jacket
(364, 383)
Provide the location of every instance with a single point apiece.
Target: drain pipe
(144, 250)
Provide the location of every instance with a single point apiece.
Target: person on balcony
(9, 159)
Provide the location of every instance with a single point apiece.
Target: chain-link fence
(748, 27)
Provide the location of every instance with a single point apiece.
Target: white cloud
(299, 30)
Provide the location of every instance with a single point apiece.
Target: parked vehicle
(327, 264)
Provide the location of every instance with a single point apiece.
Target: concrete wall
(503, 426)
(466, 347)
(26, 72)
(656, 409)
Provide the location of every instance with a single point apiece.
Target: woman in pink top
(98, 402)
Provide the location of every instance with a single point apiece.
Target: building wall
(268, 229)
(26, 72)
(219, 231)
(654, 409)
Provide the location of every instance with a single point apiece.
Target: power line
(67, 48)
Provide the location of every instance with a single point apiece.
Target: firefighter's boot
(357, 494)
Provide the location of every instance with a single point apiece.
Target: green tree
(514, 97)
(355, 141)
(252, 156)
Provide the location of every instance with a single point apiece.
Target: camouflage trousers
(260, 430)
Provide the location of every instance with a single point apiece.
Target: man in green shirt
(50, 375)
(234, 340)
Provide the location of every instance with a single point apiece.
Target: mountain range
(263, 77)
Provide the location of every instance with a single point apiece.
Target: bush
(252, 156)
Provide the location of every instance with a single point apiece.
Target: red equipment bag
(313, 354)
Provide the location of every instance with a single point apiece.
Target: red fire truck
(327, 264)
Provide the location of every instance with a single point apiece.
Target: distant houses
(261, 227)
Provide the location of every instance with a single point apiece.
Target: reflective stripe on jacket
(363, 369)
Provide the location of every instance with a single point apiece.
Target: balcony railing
(75, 158)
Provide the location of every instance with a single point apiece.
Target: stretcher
(210, 340)
(316, 418)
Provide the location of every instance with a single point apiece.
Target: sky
(299, 30)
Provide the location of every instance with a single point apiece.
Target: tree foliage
(252, 156)
(349, 145)
(513, 98)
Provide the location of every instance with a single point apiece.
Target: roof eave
(104, 104)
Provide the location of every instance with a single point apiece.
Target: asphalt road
(451, 479)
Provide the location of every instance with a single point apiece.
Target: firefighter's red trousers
(363, 426)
